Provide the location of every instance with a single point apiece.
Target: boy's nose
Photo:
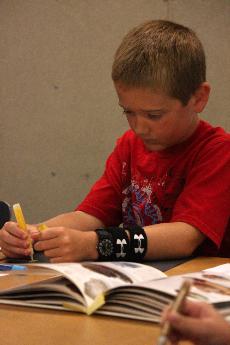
(141, 126)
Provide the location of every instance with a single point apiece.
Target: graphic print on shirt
(137, 205)
(149, 201)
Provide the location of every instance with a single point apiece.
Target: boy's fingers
(53, 253)
(49, 233)
(15, 252)
(46, 244)
(12, 241)
(14, 230)
(11, 254)
(35, 234)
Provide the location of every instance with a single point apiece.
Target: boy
(167, 180)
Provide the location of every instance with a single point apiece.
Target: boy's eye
(154, 116)
(150, 116)
(128, 112)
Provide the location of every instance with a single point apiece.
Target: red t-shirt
(189, 182)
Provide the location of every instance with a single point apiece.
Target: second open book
(123, 289)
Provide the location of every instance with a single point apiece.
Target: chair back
(5, 213)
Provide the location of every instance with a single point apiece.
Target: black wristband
(121, 243)
(138, 243)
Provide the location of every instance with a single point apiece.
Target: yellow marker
(22, 224)
(42, 227)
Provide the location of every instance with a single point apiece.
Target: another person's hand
(14, 242)
(62, 244)
(199, 323)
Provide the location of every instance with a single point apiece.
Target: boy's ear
(201, 96)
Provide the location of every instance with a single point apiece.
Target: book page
(96, 278)
(211, 285)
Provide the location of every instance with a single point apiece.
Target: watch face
(105, 247)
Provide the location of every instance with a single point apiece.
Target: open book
(123, 289)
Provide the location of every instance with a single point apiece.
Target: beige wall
(59, 113)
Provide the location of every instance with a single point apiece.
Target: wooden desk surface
(32, 326)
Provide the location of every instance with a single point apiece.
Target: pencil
(22, 224)
(176, 306)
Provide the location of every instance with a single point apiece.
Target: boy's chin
(154, 147)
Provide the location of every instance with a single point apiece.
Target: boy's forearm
(165, 240)
(75, 220)
(172, 240)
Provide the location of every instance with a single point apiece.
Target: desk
(31, 326)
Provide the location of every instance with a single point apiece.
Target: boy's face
(159, 120)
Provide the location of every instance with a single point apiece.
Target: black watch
(105, 245)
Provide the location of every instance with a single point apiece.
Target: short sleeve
(104, 200)
(205, 200)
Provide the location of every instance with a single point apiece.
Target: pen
(21, 270)
(12, 267)
(22, 224)
(176, 306)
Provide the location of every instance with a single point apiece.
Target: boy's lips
(150, 141)
(153, 144)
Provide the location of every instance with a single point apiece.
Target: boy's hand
(62, 244)
(14, 242)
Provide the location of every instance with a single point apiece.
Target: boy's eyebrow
(146, 110)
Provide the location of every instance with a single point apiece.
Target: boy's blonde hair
(162, 55)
